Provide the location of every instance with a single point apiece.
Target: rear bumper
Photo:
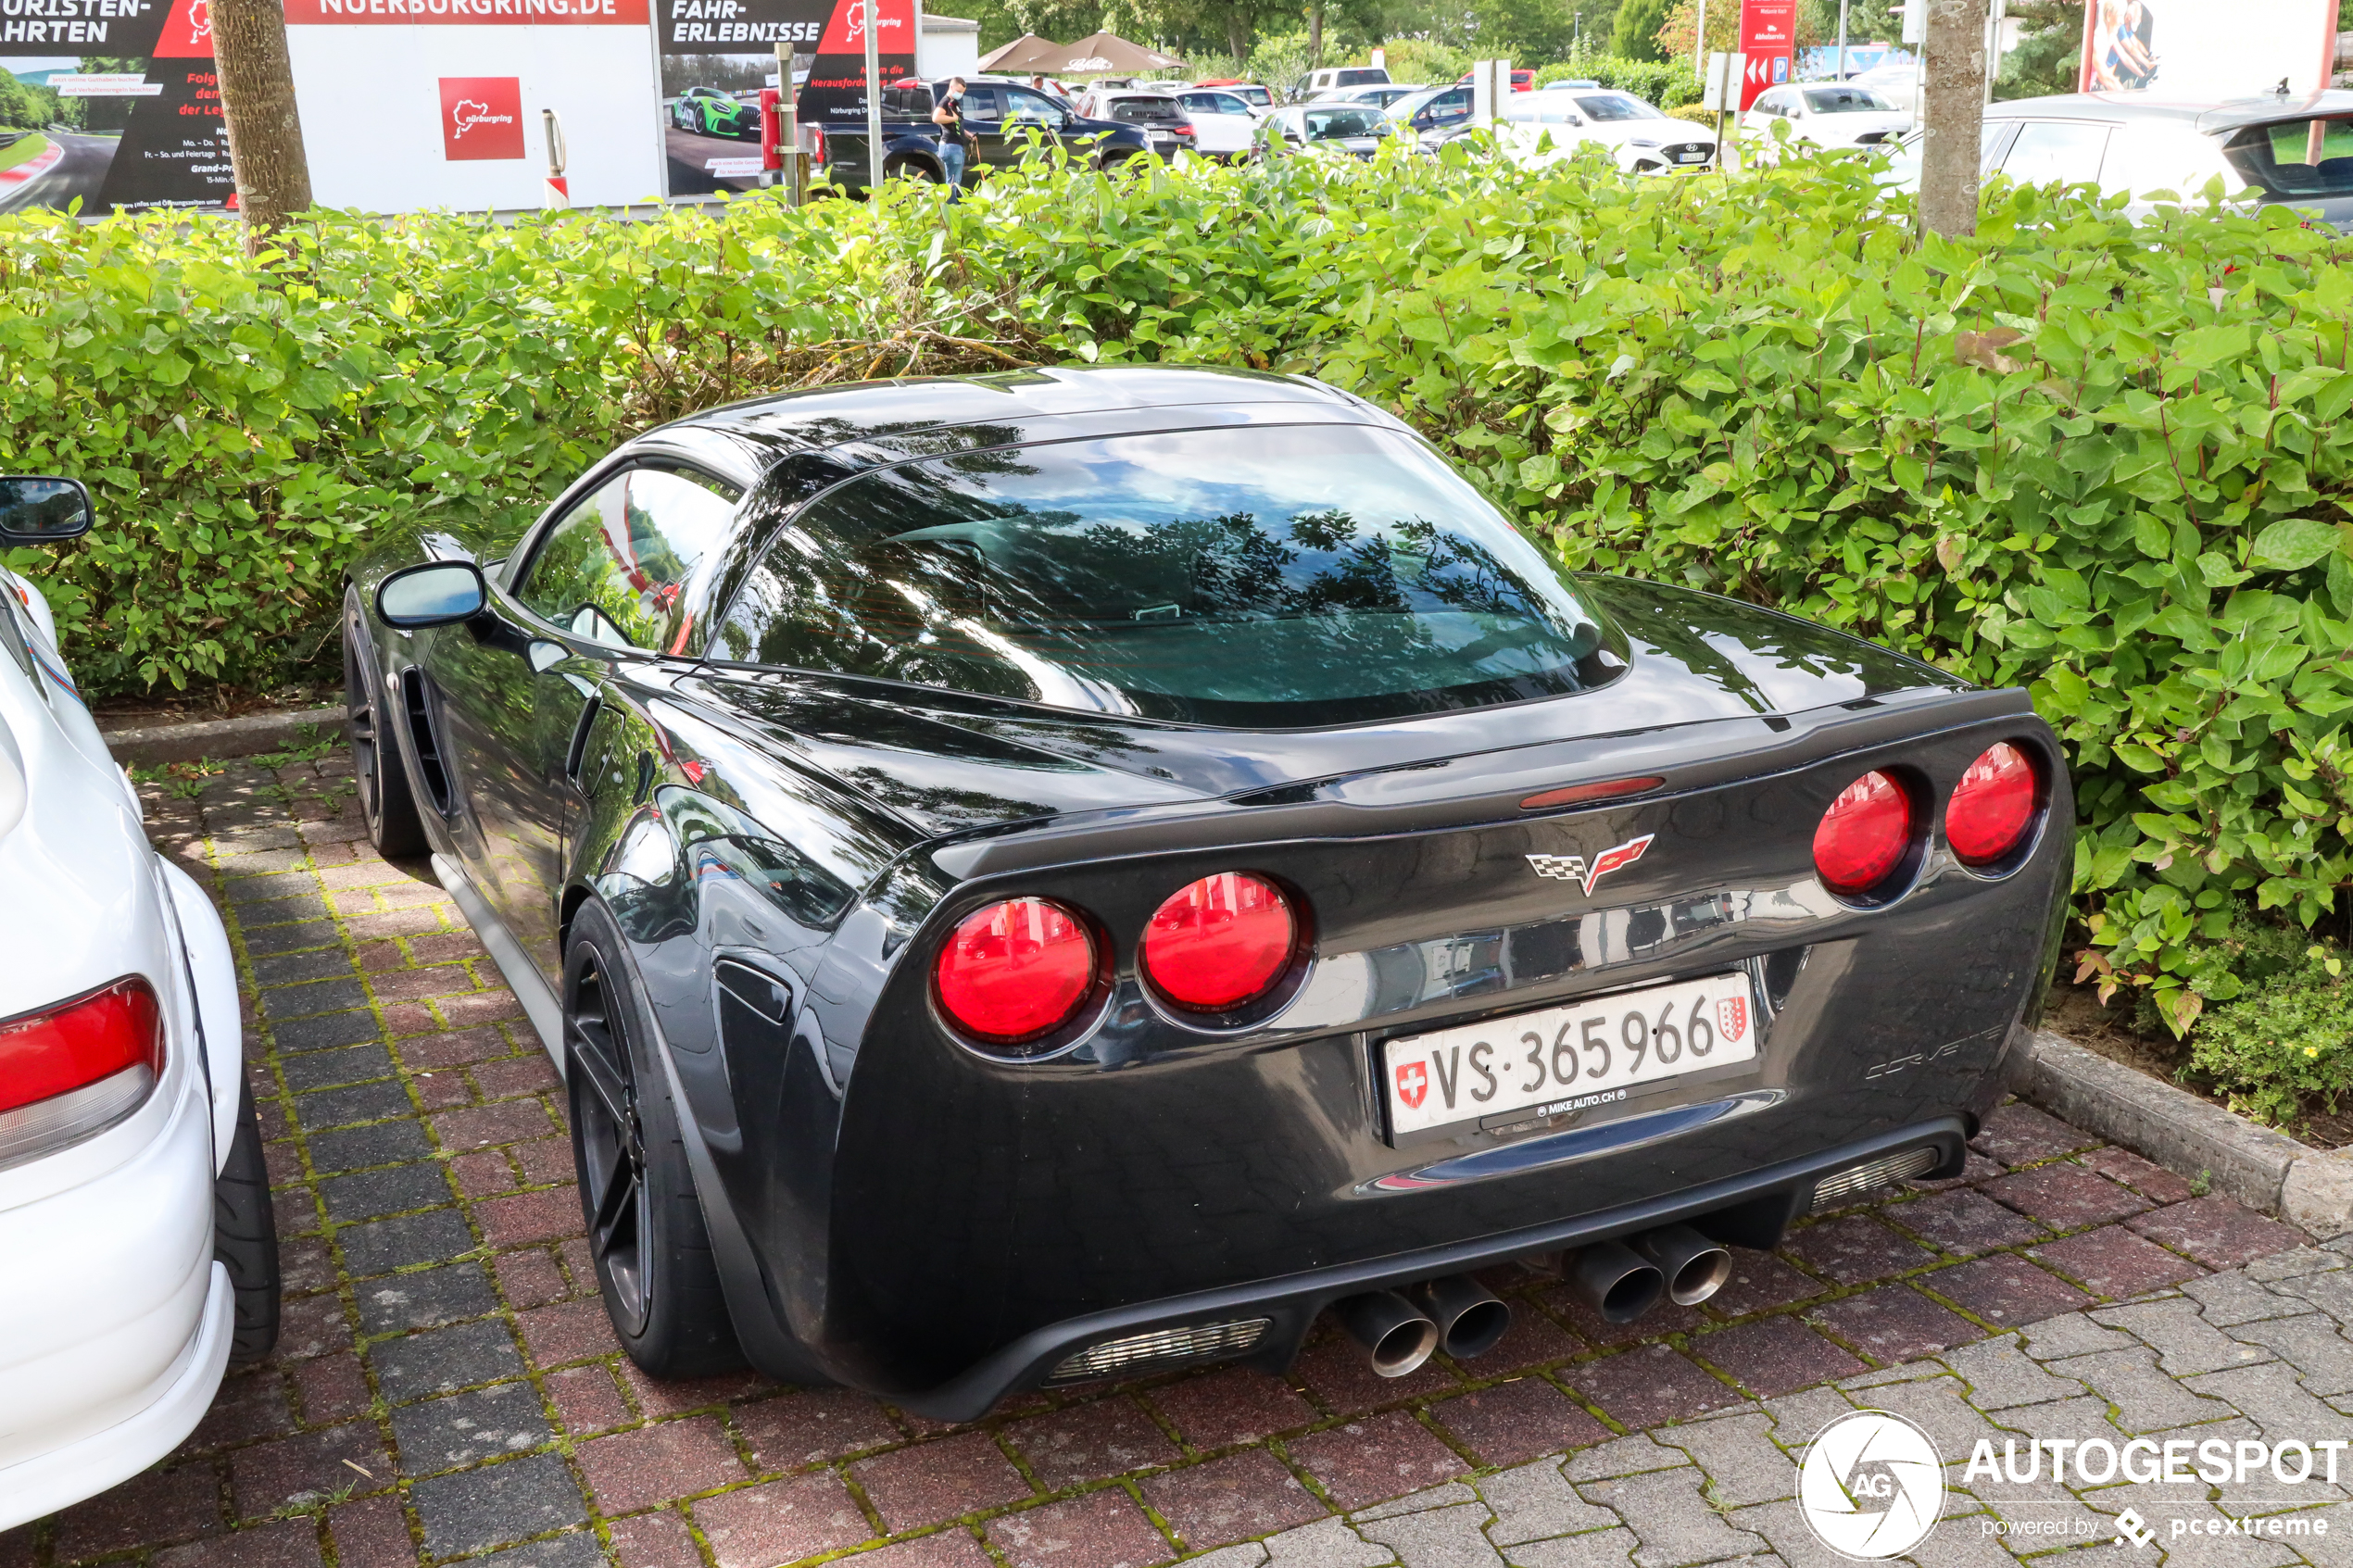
(1750, 1210)
(44, 1482)
(114, 1317)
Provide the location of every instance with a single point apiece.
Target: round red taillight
(1993, 806)
(1015, 970)
(1220, 942)
(1862, 837)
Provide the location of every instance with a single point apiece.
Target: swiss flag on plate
(1413, 1085)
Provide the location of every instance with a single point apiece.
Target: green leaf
(2291, 544)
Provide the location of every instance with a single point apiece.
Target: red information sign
(1768, 42)
(481, 117)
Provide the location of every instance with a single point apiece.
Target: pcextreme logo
(1870, 1486)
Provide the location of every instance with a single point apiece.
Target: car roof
(828, 417)
(2200, 114)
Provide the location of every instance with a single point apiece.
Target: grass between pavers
(308, 786)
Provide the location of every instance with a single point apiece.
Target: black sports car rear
(1036, 876)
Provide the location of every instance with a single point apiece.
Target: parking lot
(447, 1387)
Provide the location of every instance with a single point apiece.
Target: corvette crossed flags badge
(1572, 868)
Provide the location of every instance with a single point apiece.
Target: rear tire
(905, 168)
(646, 1232)
(386, 803)
(244, 1237)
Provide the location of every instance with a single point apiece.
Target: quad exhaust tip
(1615, 1280)
(1398, 1335)
(1694, 1267)
(1470, 1319)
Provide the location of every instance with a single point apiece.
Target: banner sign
(491, 13)
(1768, 42)
(111, 104)
(717, 54)
(2207, 50)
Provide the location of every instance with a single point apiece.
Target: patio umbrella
(1107, 54)
(1026, 54)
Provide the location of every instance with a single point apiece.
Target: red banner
(1768, 44)
(443, 13)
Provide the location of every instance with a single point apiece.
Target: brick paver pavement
(447, 1387)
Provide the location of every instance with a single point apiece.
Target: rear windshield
(1147, 111)
(1359, 77)
(1324, 124)
(1280, 576)
(2296, 158)
(1847, 100)
(1616, 106)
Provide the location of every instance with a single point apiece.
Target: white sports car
(134, 1208)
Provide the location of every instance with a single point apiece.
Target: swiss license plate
(1586, 1052)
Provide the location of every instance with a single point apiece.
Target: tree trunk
(1238, 37)
(257, 102)
(1952, 113)
(1315, 35)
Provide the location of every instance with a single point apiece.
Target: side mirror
(39, 510)
(438, 593)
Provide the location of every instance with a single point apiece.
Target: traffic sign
(1769, 40)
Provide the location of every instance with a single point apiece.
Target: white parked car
(134, 1208)
(1322, 127)
(2296, 152)
(1540, 128)
(1151, 110)
(1223, 123)
(1827, 114)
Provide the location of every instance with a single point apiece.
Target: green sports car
(708, 112)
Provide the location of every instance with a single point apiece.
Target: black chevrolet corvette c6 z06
(1044, 876)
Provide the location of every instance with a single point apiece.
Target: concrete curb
(2267, 1170)
(248, 736)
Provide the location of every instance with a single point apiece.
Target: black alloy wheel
(646, 1229)
(612, 1146)
(382, 780)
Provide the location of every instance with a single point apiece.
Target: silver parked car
(2292, 151)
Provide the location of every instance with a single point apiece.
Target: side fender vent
(580, 731)
(425, 736)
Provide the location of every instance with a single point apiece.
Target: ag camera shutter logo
(1870, 1486)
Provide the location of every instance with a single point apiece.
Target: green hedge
(1669, 84)
(2100, 459)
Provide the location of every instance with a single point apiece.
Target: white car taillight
(78, 1068)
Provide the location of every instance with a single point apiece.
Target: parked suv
(1319, 81)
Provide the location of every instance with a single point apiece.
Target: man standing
(954, 140)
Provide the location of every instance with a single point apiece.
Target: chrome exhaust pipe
(1615, 1280)
(1470, 1320)
(1387, 1324)
(1695, 1267)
